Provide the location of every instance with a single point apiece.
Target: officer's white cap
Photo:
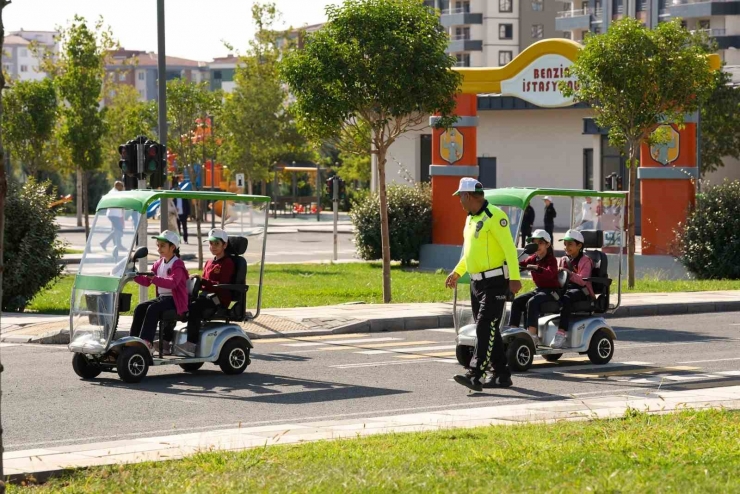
(468, 184)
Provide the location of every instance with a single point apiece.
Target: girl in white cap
(170, 277)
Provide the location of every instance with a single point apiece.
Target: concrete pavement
(370, 318)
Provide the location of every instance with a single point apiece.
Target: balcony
(463, 44)
(459, 17)
(724, 40)
(692, 9)
(570, 20)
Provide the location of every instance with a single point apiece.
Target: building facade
(19, 61)
(490, 33)
(720, 19)
(138, 69)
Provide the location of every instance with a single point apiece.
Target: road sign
(240, 180)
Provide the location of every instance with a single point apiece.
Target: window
(584, 6)
(217, 74)
(24, 52)
(463, 7)
(141, 76)
(538, 31)
(505, 31)
(704, 24)
(504, 57)
(122, 77)
(462, 33)
(538, 5)
(567, 35)
(141, 93)
(505, 6)
(463, 59)
(24, 68)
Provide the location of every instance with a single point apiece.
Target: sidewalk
(370, 318)
(45, 462)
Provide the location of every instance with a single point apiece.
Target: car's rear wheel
(601, 348)
(464, 353)
(133, 364)
(520, 354)
(234, 357)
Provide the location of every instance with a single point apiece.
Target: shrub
(32, 249)
(710, 239)
(409, 218)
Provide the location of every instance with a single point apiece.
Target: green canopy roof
(520, 196)
(139, 200)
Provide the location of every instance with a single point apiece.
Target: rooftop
(16, 41)
(149, 59)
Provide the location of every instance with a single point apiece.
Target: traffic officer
(490, 256)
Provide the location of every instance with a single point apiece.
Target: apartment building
(138, 68)
(19, 61)
(718, 18)
(489, 33)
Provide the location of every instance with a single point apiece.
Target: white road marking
(443, 330)
(380, 364)
(713, 360)
(350, 347)
(341, 342)
(409, 349)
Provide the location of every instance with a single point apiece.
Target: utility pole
(162, 107)
(213, 173)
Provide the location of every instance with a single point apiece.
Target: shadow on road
(659, 335)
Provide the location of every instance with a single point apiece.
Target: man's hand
(451, 281)
(515, 286)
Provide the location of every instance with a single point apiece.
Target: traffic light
(154, 164)
(342, 189)
(127, 161)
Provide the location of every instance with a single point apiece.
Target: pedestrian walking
(550, 215)
(527, 222)
(115, 216)
(490, 256)
(183, 213)
(171, 215)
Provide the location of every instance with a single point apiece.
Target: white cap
(573, 235)
(540, 234)
(547, 198)
(468, 184)
(169, 236)
(218, 234)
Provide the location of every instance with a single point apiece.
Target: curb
(379, 325)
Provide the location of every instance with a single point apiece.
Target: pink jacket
(580, 271)
(176, 281)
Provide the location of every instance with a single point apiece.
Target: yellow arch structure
(484, 80)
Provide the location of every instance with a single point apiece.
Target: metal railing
(573, 13)
(711, 32)
(460, 37)
(456, 10)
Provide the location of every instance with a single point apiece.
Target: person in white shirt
(589, 217)
(115, 216)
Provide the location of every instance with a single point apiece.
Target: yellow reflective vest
(487, 243)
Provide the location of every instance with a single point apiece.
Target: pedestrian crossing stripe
(627, 372)
(312, 338)
(427, 355)
(374, 345)
(338, 342)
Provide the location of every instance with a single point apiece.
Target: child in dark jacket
(544, 269)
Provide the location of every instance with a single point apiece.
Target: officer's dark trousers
(488, 298)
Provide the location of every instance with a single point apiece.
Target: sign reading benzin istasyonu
(538, 82)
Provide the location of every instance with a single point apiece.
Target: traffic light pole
(335, 203)
(162, 94)
(141, 234)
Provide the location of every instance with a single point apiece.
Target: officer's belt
(491, 273)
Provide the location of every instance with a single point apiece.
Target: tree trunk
(85, 207)
(384, 230)
(198, 232)
(631, 216)
(79, 196)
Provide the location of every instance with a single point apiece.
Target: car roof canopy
(139, 200)
(520, 196)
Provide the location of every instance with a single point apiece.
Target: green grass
(305, 285)
(685, 452)
(73, 251)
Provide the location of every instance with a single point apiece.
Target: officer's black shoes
(470, 381)
(497, 382)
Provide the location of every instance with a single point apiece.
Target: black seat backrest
(594, 239)
(235, 249)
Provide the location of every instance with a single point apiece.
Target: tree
(261, 130)
(636, 78)
(3, 194)
(78, 74)
(720, 124)
(186, 103)
(126, 118)
(379, 63)
(29, 122)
